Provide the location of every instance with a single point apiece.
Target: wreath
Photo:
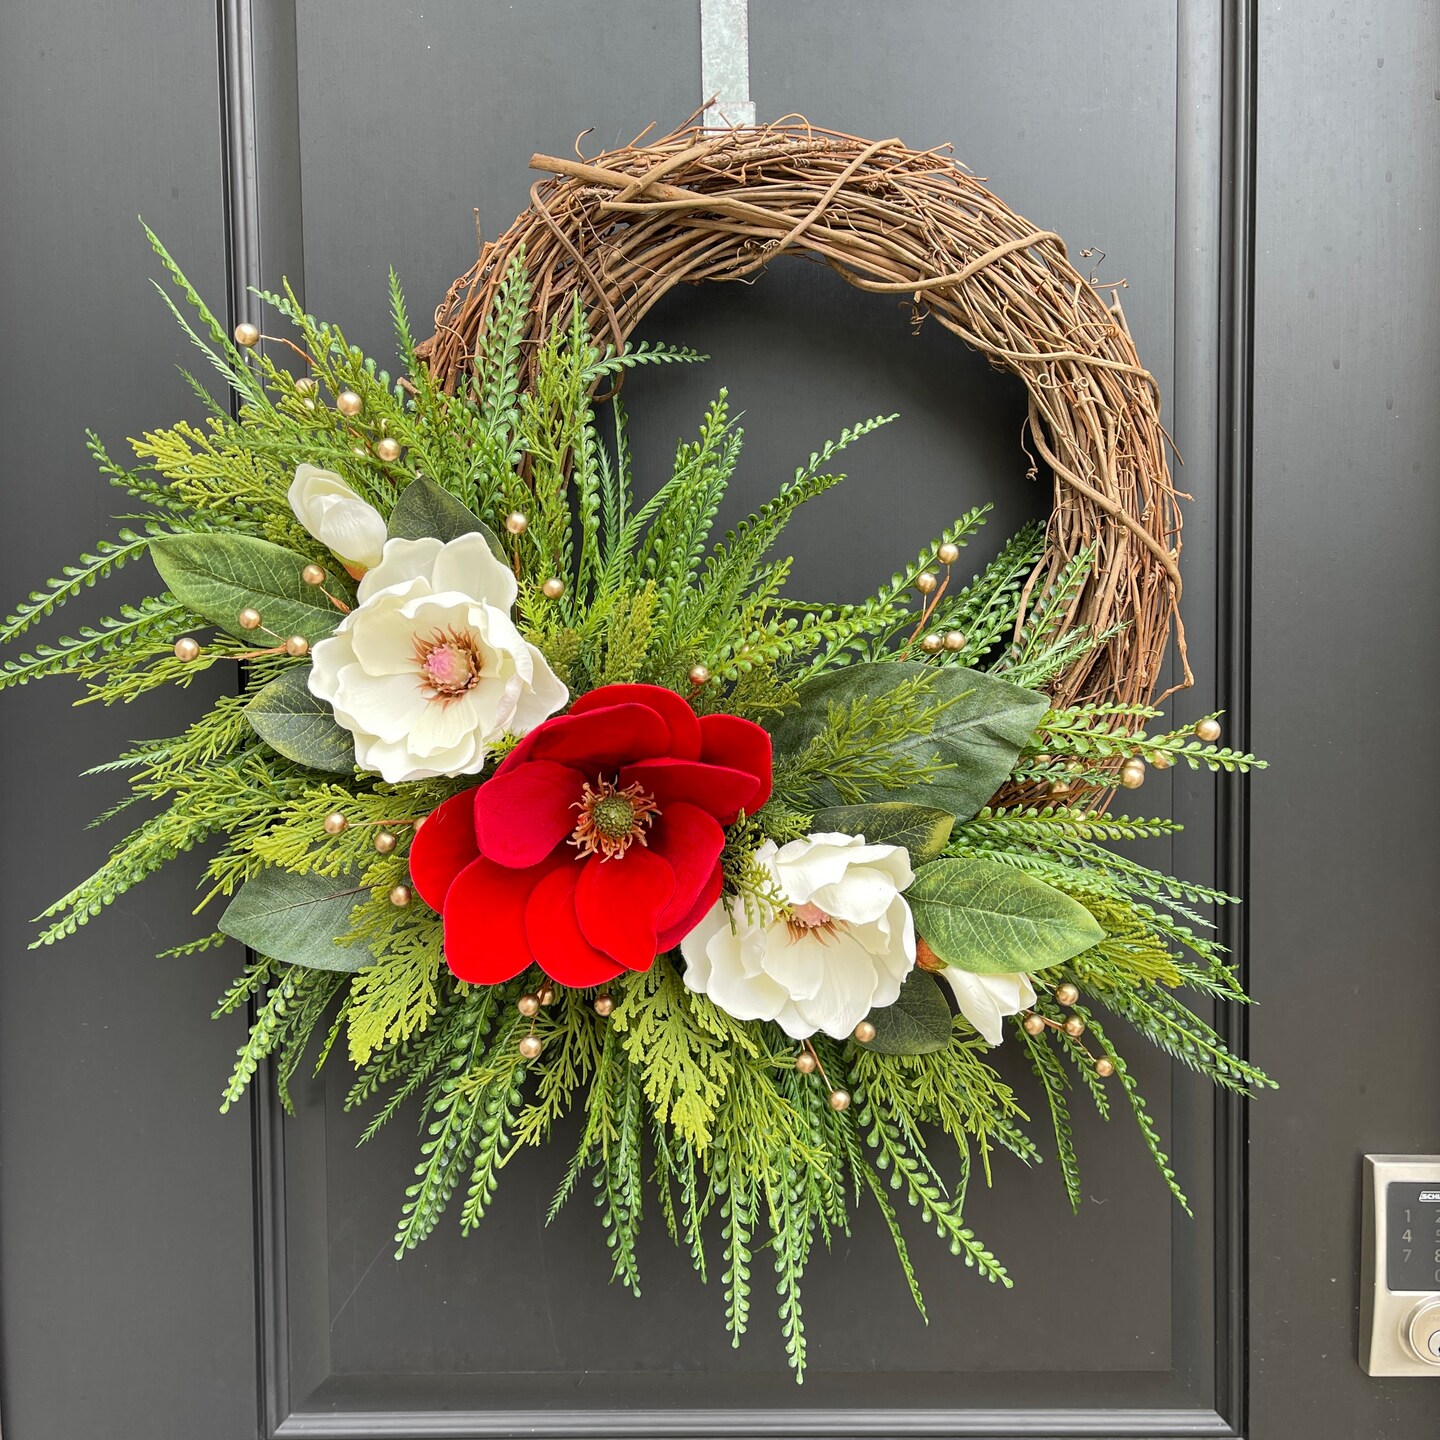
(546, 801)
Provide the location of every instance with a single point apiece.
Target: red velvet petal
(521, 817)
(714, 788)
(443, 846)
(485, 939)
(560, 947)
(740, 744)
(673, 710)
(618, 902)
(690, 840)
(709, 894)
(599, 741)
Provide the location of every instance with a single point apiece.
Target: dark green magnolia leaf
(218, 576)
(981, 916)
(921, 830)
(917, 1023)
(296, 919)
(288, 718)
(978, 734)
(427, 509)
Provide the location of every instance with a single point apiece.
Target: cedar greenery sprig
(678, 1101)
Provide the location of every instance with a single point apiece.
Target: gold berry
(602, 1005)
(247, 334)
(528, 1004)
(1067, 994)
(1161, 761)
(1074, 1027)
(932, 644)
(954, 640)
(806, 1063)
(336, 823)
(839, 1099)
(948, 553)
(1208, 731)
(554, 588)
(187, 648)
(699, 675)
(546, 994)
(926, 582)
(304, 385)
(387, 450)
(1033, 1024)
(531, 1046)
(313, 575)
(400, 895)
(249, 618)
(347, 402)
(1132, 774)
(296, 646)
(384, 841)
(1104, 1067)
(864, 1032)
(516, 522)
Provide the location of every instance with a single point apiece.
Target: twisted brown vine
(625, 227)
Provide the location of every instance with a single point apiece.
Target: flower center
(809, 920)
(449, 662)
(612, 820)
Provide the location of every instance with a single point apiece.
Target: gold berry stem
(927, 612)
(281, 340)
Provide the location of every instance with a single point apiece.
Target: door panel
(803, 355)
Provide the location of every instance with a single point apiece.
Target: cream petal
(401, 562)
(470, 566)
(327, 658)
(792, 1022)
(695, 947)
(387, 706)
(354, 530)
(846, 992)
(384, 630)
(746, 997)
(808, 865)
(545, 695)
(392, 759)
(985, 1000)
(500, 633)
(862, 895)
(798, 964)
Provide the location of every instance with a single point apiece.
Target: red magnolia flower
(596, 844)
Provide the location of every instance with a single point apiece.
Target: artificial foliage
(918, 720)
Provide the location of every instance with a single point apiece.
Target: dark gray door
(1265, 182)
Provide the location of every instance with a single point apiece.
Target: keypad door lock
(1400, 1266)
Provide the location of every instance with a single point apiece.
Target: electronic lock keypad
(1400, 1266)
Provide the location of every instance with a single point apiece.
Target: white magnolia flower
(337, 517)
(427, 670)
(843, 947)
(985, 1000)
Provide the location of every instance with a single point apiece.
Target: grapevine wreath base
(623, 229)
(536, 798)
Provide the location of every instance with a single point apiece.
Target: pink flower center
(449, 662)
(809, 920)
